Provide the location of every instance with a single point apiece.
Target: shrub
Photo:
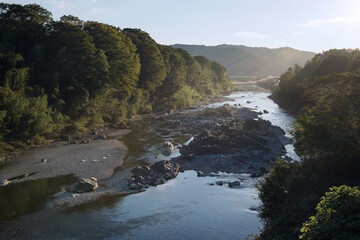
(337, 217)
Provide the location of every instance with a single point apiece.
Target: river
(187, 207)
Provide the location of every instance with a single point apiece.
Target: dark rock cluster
(156, 174)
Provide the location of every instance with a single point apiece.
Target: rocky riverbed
(205, 203)
(226, 139)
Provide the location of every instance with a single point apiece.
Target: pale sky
(313, 25)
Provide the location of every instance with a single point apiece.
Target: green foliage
(289, 93)
(120, 52)
(86, 74)
(152, 72)
(337, 216)
(184, 97)
(327, 139)
(26, 118)
(332, 118)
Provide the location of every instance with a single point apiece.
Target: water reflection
(27, 197)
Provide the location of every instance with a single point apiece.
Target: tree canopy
(325, 95)
(80, 74)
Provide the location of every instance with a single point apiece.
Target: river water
(187, 207)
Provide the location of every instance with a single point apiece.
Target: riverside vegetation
(325, 95)
(69, 75)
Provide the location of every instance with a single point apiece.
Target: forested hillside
(250, 61)
(325, 93)
(294, 90)
(70, 75)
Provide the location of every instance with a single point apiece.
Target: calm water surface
(187, 207)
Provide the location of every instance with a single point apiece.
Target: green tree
(153, 71)
(337, 216)
(81, 70)
(120, 52)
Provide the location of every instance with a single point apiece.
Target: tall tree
(152, 72)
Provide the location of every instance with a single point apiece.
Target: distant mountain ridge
(241, 60)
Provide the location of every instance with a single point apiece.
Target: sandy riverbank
(97, 158)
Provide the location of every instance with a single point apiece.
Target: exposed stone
(85, 185)
(135, 186)
(141, 171)
(235, 184)
(159, 169)
(85, 141)
(159, 182)
(167, 148)
(100, 137)
(157, 174)
(4, 183)
(219, 183)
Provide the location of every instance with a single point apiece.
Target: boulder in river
(167, 148)
(141, 171)
(157, 174)
(85, 185)
(163, 168)
(4, 182)
(235, 184)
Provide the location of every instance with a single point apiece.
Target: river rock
(235, 184)
(4, 183)
(157, 174)
(135, 186)
(167, 148)
(141, 171)
(100, 137)
(159, 182)
(85, 185)
(161, 168)
(85, 141)
(219, 183)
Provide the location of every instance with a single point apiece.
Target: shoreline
(104, 159)
(84, 158)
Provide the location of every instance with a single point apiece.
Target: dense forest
(294, 90)
(240, 60)
(318, 197)
(69, 75)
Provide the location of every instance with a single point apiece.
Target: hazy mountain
(240, 60)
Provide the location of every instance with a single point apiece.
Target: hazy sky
(314, 25)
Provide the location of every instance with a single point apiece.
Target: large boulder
(85, 185)
(162, 168)
(157, 174)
